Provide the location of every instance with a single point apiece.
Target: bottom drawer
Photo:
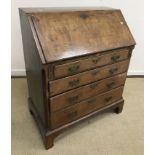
(82, 108)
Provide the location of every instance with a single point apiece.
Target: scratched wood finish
(73, 112)
(71, 82)
(94, 61)
(68, 34)
(77, 95)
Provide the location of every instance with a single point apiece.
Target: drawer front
(71, 82)
(77, 95)
(80, 109)
(89, 63)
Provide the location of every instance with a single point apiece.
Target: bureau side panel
(34, 68)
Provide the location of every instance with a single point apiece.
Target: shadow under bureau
(76, 64)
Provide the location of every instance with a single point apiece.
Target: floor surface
(104, 134)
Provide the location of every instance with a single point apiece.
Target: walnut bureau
(76, 64)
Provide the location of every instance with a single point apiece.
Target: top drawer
(71, 68)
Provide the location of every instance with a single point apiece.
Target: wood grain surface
(71, 68)
(85, 107)
(76, 64)
(65, 35)
(77, 95)
(71, 82)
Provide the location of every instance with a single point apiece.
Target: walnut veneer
(76, 64)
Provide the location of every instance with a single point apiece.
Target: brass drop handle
(73, 99)
(91, 101)
(107, 99)
(73, 69)
(110, 85)
(94, 73)
(115, 58)
(94, 85)
(96, 60)
(113, 70)
(72, 115)
(74, 83)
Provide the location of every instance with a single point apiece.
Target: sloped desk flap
(64, 35)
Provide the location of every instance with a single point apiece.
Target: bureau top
(66, 34)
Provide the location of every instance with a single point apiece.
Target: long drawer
(91, 62)
(68, 83)
(80, 109)
(77, 95)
